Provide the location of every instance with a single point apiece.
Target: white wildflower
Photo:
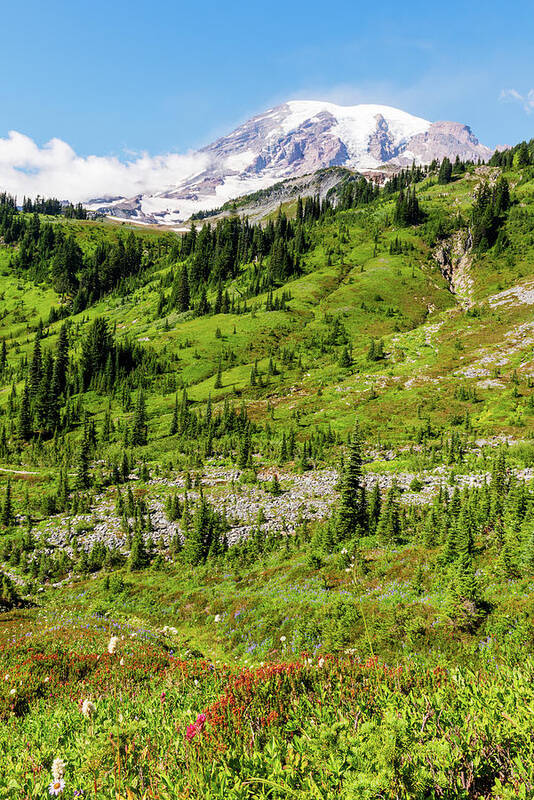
(112, 646)
(88, 708)
(58, 768)
(56, 787)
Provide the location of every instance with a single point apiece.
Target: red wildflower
(195, 728)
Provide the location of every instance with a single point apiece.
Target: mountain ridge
(298, 138)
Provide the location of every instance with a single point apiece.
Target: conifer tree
(25, 415)
(62, 360)
(197, 540)
(283, 449)
(203, 307)
(125, 466)
(465, 583)
(522, 157)
(183, 298)
(42, 399)
(351, 517)
(138, 557)
(83, 564)
(275, 487)
(7, 506)
(107, 424)
(375, 504)
(3, 357)
(185, 522)
(208, 449)
(83, 479)
(504, 562)
(36, 366)
(498, 484)
(173, 430)
(218, 377)
(445, 171)
(245, 450)
(53, 418)
(140, 428)
(389, 525)
(8, 592)
(345, 360)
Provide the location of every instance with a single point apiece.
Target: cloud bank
(55, 170)
(513, 96)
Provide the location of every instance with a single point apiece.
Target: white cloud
(55, 170)
(513, 96)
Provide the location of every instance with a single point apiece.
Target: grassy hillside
(179, 466)
(351, 290)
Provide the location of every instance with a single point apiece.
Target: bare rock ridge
(295, 139)
(449, 139)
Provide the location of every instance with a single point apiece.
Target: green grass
(454, 721)
(400, 299)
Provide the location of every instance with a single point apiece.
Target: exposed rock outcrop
(454, 258)
(442, 139)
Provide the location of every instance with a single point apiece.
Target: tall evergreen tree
(389, 524)
(445, 171)
(25, 415)
(351, 517)
(83, 479)
(183, 297)
(7, 506)
(138, 557)
(375, 505)
(62, 360)
(173, 430)
(244, 454)
(8, 592)
(3, 357)
(42, 400)
(197, 542)
(140, 427)
(218, 377)
(36, 365)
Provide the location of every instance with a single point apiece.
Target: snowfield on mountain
(295, 139)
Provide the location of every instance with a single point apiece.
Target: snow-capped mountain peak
(354, 122)
(298, 138)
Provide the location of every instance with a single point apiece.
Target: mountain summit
(298, 138)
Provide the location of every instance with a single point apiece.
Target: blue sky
(116, 77)
(171, 75)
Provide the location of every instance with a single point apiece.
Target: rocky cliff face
(442, 139)
(296, 139)
(454, 257)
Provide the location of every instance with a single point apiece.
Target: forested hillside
(289, 465)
